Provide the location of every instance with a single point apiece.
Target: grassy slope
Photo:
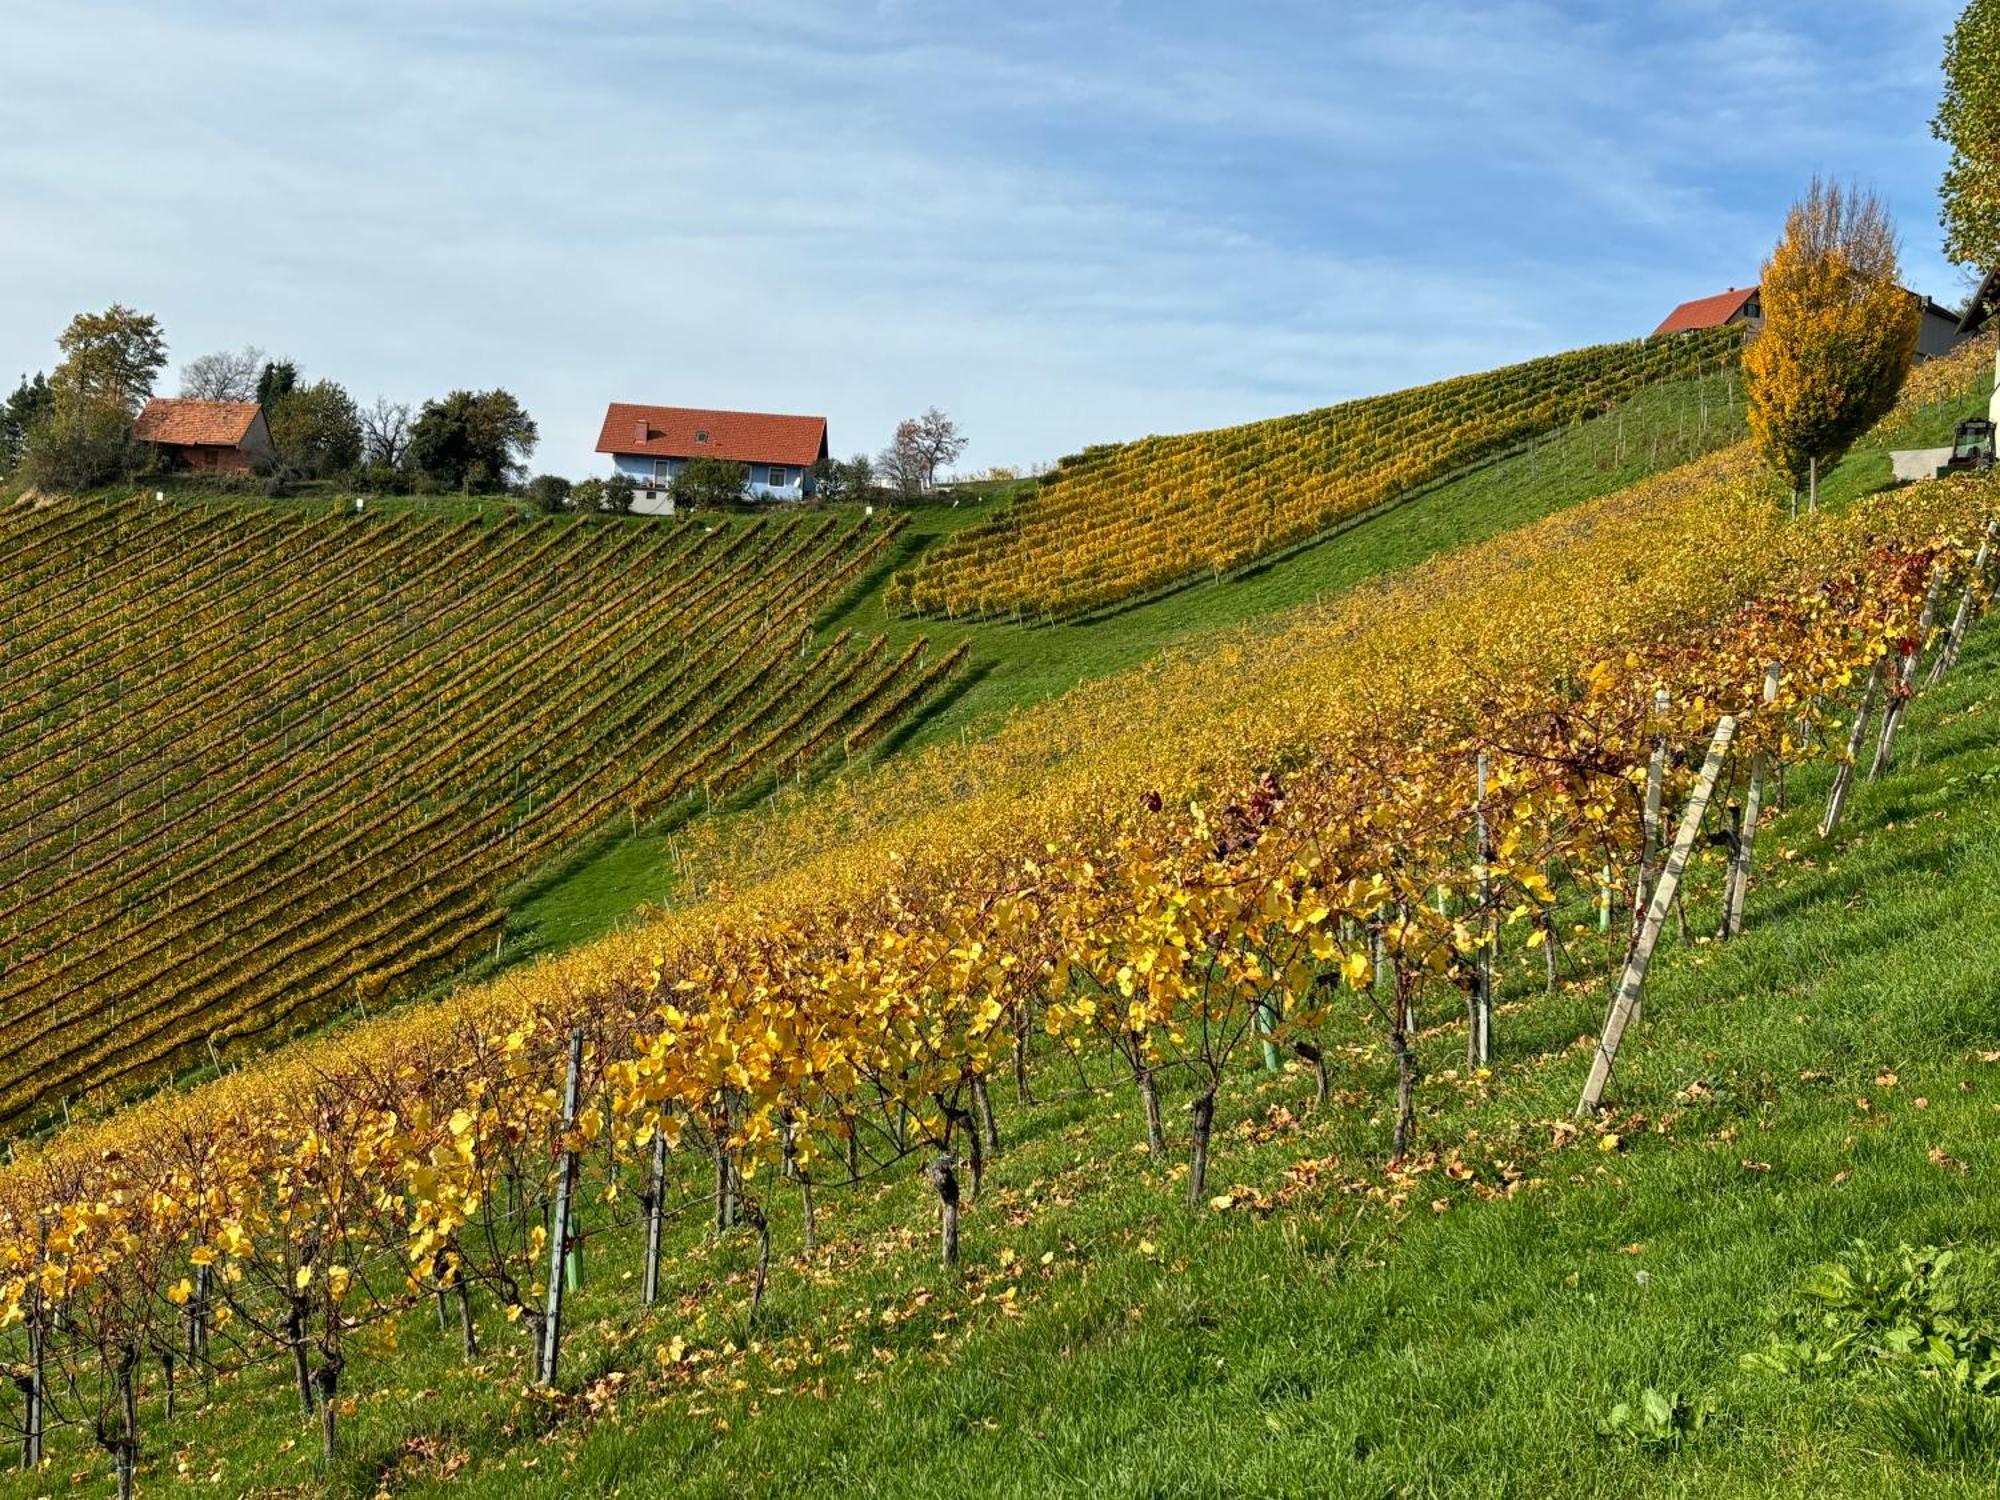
(1461, 1343)
(1341, 1350)
(1341, 1345)
(1015, 665)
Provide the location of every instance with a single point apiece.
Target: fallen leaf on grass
(1939, 1157)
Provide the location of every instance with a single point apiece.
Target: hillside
(1013, 667)
(1465, 1329)
(1117, 522)
(1469, 1328)
(267, 764)
(1234, 823)
(1352, 580)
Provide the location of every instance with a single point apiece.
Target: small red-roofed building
(1737, 305)
(1938, 330)
(651, 444)
(210, 437)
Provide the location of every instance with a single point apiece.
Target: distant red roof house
(653, 443)
(1737, 305)
(211, 436)
(1939, 331)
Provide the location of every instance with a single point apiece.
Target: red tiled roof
(1707, 312)
(219, 424)
(745, 437)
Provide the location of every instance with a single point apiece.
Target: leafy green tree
(551, 493)
(839, 480)
(1968, 121)
(110, 358)
(30, 403)
(618, 494)
(277, 380)
(707, 483)
(1839, 333)
(472, 440)
(79, 445)
(316, 429)
(81, 437)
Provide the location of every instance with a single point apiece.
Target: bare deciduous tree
(922, 446)
(385, 433)
(226, 375)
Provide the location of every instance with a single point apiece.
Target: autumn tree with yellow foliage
(1968, 121)
(1839, 333)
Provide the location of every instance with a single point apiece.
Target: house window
(661, 472)
(701, 436)
(779, 477)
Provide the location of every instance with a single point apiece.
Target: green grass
(1866, 468)
(1016, 665)
(1465, 1340)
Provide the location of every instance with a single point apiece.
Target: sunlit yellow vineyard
(263, 766)
(1116, 522)
(1347, 818)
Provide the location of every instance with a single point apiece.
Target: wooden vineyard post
(1906, 682)
(1649, 842)
(943, 1176)
(559, 1234)
(1633, 981)
(1480, 1044)
(1736, 886)
(1649, 845)
(1402, 1042)
(1954, 639)
(34, 1380)
(656, 1198)
(1843, 778)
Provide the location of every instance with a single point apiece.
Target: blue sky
(1063, 222)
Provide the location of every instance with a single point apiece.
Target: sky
(1062, 221)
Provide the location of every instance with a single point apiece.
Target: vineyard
(1356, 843)
(265, 766)
(1119, 522)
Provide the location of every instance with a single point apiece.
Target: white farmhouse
(651, 444)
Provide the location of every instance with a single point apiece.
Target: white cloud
(1065, 224)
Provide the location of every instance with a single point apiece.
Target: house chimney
(645, 430)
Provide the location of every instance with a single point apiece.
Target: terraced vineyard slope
(264, 766)
(1119, 522)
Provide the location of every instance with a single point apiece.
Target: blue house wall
(658, 471)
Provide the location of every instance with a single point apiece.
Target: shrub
(617, 494)
(709, 483)
(550, 493)
(80, 445)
